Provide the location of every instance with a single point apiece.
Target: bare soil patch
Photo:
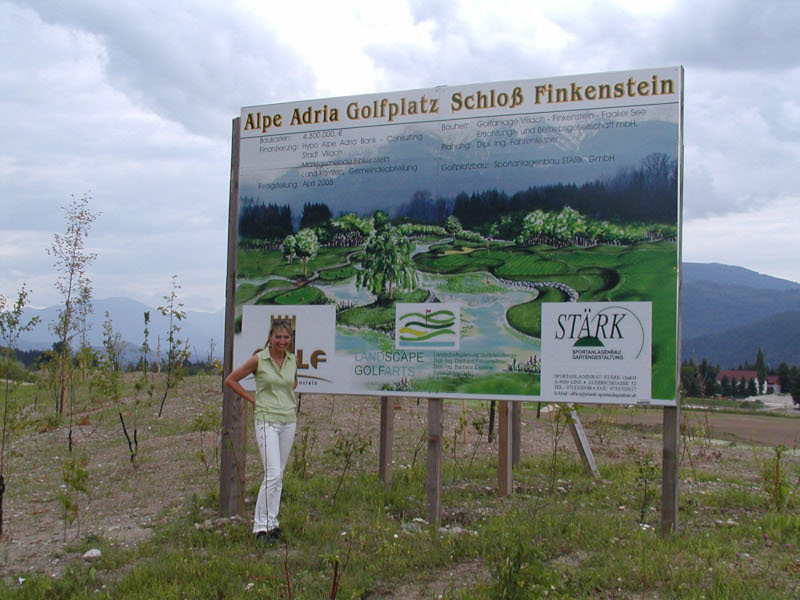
(762, 430)
(177, 459)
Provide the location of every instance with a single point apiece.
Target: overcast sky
(133, 101)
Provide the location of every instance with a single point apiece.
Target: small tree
(110, 379)
(785, 377)
(72, 261)
(794, 389)
(726, 386)
(177, 350)
(11, 326)
(146, 385)
(75, 475)
(761, 372)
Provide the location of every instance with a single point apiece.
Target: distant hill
(728, 312)
(729, 275)
(714, 307)
(127, 317)
(778, 336)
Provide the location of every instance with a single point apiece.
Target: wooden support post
(464, 418)
(232, 454)
(582, 443)
(433, 482)
(234, 413)
(669, 474)
(387, 441)
(504, 476)
(516, 432)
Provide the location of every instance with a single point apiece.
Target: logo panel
(314, 341)
(428, 326)
(597, 352)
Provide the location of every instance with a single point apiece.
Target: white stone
(92, 554)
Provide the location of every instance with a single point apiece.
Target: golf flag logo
(430, 326)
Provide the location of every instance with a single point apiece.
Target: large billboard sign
(499, 240)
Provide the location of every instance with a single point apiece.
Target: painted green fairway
(641, 272)
(248, 291)
(527, 317)
(255, 264)
(378, 316)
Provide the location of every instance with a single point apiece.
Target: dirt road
(767, 430)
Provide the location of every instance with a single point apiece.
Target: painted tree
(349, 230)
(387, 264)
(452, 226)
(568, 226)
(11, 326)
(72, 260)
(289, 248)
(306, 246)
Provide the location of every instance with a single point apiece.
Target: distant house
(771, 386)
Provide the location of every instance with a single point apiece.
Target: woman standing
(275, 371)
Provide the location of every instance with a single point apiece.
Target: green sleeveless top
(275, 400)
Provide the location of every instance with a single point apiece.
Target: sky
(132, 102)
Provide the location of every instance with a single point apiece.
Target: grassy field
(561, 534)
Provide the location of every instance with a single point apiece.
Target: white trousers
(274, 443)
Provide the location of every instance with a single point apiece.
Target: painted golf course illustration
(366, 266)
(429, 242)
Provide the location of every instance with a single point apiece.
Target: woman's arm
(232, 380)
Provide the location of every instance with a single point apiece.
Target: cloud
(741, 121)
(194, 63)
(134, 100)
(764, 239)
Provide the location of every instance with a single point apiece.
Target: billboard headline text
(517, 98)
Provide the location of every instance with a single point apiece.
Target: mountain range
(127, 317)
(727, 313)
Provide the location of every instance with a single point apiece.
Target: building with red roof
(771, 386)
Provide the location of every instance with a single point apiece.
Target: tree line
(647, 193)
(610, 208)
(700, 380)
(270, 223)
